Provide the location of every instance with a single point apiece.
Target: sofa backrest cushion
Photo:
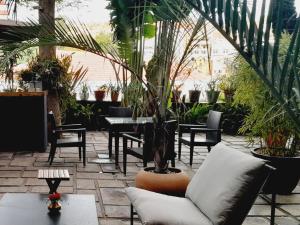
(227, 184)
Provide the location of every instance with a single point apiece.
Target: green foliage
(196, 114)
(213, 85)
(266, 115)
(233, 117)
(56, 75)
(287, 16)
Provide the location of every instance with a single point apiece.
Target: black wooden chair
(56, 139)
(211, 129)
(117, 112)
(145, 151)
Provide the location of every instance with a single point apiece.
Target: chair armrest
(201, 125)
(70, 126)
(185, 128)
(204, 130)
(79, 130)
(132, 138)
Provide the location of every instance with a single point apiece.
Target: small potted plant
(228, 86)
(195, 94)
(54, 205)
(100, 92)
(114, 91)
(212, 92)
(84, 92)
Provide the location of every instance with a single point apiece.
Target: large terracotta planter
(194, 96)
(286, 176)
(174, 183)
(99, 95)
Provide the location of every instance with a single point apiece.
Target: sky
(93, 12)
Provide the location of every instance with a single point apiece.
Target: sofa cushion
(226, 185)
(159, 209)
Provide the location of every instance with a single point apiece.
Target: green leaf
(234, 22)
(227, 16)
(250, 43)
(260, 34)
(243, 24)
(277, 41)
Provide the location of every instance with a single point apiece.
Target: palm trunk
(46, 14)
(53, 105)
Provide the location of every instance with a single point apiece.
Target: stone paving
(18, 173)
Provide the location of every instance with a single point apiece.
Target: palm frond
(280, 77)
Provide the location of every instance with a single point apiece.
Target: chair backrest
(226, 185)
(119, 111)
(213, 122)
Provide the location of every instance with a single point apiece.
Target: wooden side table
(53, 178)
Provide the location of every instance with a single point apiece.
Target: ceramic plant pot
(194, 96)
(99, 95)
(286, 176)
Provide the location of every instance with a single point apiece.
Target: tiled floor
(18, 172)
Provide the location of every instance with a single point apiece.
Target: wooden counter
(23, 121)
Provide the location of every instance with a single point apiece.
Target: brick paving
(18, 173)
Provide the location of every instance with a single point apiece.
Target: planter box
(23, 119)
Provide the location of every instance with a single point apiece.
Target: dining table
(118, 125)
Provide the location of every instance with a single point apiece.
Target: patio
(18, 173)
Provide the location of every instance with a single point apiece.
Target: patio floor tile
(18, 173)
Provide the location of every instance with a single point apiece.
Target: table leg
(53, 185)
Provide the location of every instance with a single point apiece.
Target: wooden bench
(53, 177)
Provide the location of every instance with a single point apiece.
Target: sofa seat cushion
(226, 185)
(159, 209)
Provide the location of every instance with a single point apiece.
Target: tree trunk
(46, 15)
(53, 105)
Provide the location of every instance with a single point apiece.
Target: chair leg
(110, 144)
(79, 149)
(209, 148)
(191, 154)
(131, 214)
(84, 155)
(273, 205)
(124, 162)
(173, 162)
(179, 149)
(52, 153)
(144, 163)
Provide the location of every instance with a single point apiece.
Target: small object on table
(54, 205)
(53, 178)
